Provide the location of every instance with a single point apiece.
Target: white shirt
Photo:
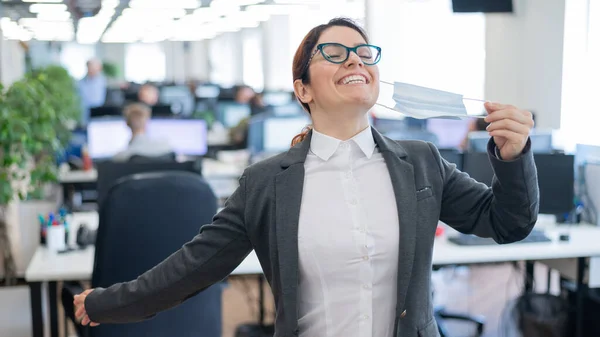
(144, 145)
(348, 240)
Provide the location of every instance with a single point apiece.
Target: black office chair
(144, 219)
(441, 315)
(165, 158)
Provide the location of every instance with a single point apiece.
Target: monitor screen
(278, 132)
(450, 132)
(186, 136)
(207, 91)
(277, 98)
(179, 98)
(556, 195)
(231, 114)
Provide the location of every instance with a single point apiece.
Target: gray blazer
(262, 214)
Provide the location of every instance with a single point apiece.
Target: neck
(137, 133)
(339, 125)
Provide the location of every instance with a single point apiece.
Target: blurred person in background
(92, 89)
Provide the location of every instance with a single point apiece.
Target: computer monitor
(207, 91)
(108, 137)
(453, 156)
(541, 141)
(106, 111)
(179, 98)
(450, 132)
(230, 114)
(277, 98)
(556, 178)
(270, 134)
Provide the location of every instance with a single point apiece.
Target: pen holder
(55, 238)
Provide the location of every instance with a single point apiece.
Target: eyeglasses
(338, 53)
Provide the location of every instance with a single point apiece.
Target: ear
(302, 91)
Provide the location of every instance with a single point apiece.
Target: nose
(354, 59)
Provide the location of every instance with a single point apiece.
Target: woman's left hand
(510, 128)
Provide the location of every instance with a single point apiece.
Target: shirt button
(365, 316)
(348, 174)
(366, 286)
(362, 230)
(353, 202)
(365, 257)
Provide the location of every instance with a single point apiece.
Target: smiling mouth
(353, 79)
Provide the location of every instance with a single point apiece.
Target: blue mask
(421, 102)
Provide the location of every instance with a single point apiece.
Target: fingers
(94, 324)
(509, 112)
(511, 136)
(509, 124)
(85, 320)
(80, 312)
(491, 106)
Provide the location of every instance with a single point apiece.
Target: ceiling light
(46, 1)
(185, 4)
(276, 9)
(54, 16)
(37, 8)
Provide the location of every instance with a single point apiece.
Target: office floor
(481, 290)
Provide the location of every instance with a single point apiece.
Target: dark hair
(300, 64)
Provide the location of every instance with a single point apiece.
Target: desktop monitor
(207, 91)
(277, 98)
(556, 178)
(450, 132)
(106, 111)
(230, 114)
(108, 137)
(179, 98)
(453, 156)
(541, 141)
(269, 134)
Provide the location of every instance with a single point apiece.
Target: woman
(343, 223)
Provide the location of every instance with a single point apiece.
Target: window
(74, 57)
(253, 65)
(145, 62)
(581, 74)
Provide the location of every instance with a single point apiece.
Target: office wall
(226, 64)
(277, 56)
(114, 53)
(175, 55)
(198, 65)
(12, 61)
(524, 58)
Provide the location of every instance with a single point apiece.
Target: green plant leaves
(34, 113)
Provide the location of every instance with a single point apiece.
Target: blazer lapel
(403, 181)
(288, 197)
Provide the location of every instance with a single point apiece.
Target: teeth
(353, 79)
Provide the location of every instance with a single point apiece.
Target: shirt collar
(324, 146)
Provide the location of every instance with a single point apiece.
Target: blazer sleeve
(506, 211)
(208, 258)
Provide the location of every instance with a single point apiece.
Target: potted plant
(35, 114)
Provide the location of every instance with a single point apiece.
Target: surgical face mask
(421, 102)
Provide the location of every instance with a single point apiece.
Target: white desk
(78, 265)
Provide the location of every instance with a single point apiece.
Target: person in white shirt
(137, 116)
(344, 222)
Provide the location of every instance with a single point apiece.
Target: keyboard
(472, 240)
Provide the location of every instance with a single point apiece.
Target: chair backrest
(145, 218)
(165, 158)
(109, 172)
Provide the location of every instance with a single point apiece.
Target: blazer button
(403, 314)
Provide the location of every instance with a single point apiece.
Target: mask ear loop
(466, 98)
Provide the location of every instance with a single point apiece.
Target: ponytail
(302, 135)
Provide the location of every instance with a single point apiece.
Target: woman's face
(329, 88)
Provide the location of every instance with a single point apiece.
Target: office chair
(441, 315)
(146, 218)
(165, 158)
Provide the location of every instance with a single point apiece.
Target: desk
(221, 176)
(78, 265)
